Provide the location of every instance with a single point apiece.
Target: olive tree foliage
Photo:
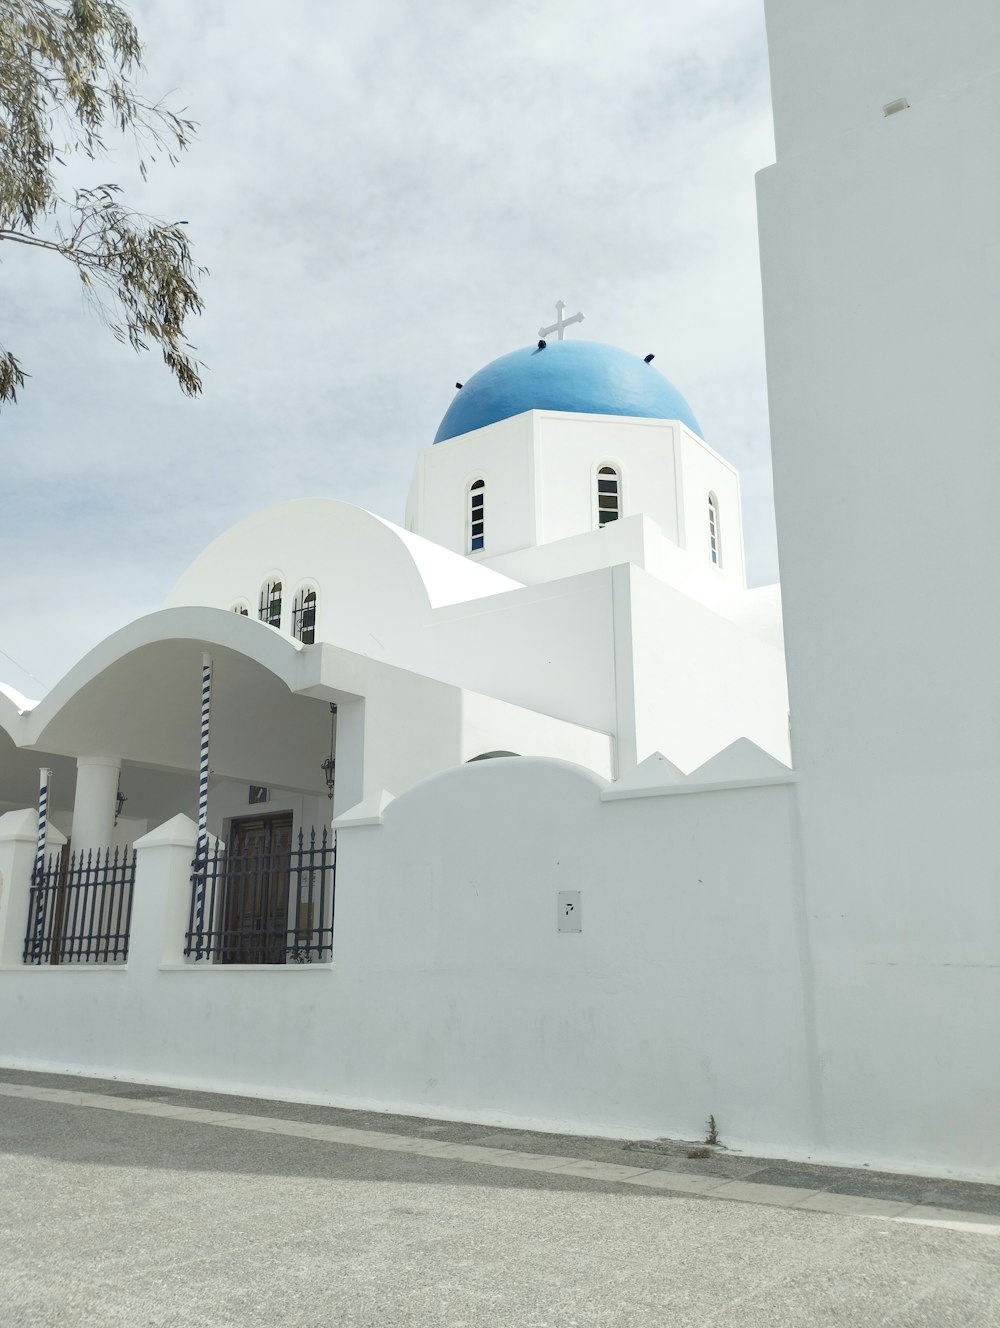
(66, 79)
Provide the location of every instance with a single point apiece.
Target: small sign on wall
(568, 916)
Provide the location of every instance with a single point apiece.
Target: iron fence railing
(265, 903)
(80, 910)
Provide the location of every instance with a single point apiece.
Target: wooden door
(255, 910)
(59, 918)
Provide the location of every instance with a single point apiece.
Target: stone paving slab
(782, 1196)
(858, 1205)
(679, 1182)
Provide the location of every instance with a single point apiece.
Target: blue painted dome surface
(582, 376)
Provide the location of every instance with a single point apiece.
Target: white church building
(521, 821)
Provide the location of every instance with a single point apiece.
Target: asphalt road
(110, 1218)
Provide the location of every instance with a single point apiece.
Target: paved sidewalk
(140, 1205)
(945, 1199)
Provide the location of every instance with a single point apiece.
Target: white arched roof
(368, 568)
(134, 672)
(13, 708)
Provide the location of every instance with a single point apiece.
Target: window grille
(242, 608)
(477, 491)
(608, 495)
(715, 545)
(304, 616)
(269, 901)
(269, 610)
(80, 911)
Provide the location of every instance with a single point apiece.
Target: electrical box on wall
(568, 916)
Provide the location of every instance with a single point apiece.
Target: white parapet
(161, 907)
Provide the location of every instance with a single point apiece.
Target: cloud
(386, 196)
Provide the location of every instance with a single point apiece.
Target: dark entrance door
(255, 911)
(59, 919)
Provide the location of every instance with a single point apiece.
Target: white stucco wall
(453, 993)
(881, 290)
(502, 455)
(570, 449)
(229, 801)
(836, 63)
(639, 541)
(725, 683)
(492, 725)
(547, 647)
(540, 471)
(703, 472)
(694, 987)
(623, 541)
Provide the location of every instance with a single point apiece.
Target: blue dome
(581, 376)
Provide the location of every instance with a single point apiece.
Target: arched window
(269, 610)
(608, 496)
(477, 537)
(242, 608)
(304, 616)
(714, 533)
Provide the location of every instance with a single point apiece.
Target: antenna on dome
(560, 325)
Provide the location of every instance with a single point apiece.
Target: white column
(94, 805)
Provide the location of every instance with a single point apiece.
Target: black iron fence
(266, 902)
(80, 910)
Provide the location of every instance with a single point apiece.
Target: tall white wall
(836, 63)
(881, 277)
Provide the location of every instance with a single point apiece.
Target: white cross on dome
(560, 325)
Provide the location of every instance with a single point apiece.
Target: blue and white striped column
(206, 711)
(201, 854)
(38, 876)
(44, 776)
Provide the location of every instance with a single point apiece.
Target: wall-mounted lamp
(329, 765)
(120, 801)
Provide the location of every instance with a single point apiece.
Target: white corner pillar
(161, 901)
(18, 845)
(95, 802)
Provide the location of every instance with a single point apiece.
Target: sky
(386, 196)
